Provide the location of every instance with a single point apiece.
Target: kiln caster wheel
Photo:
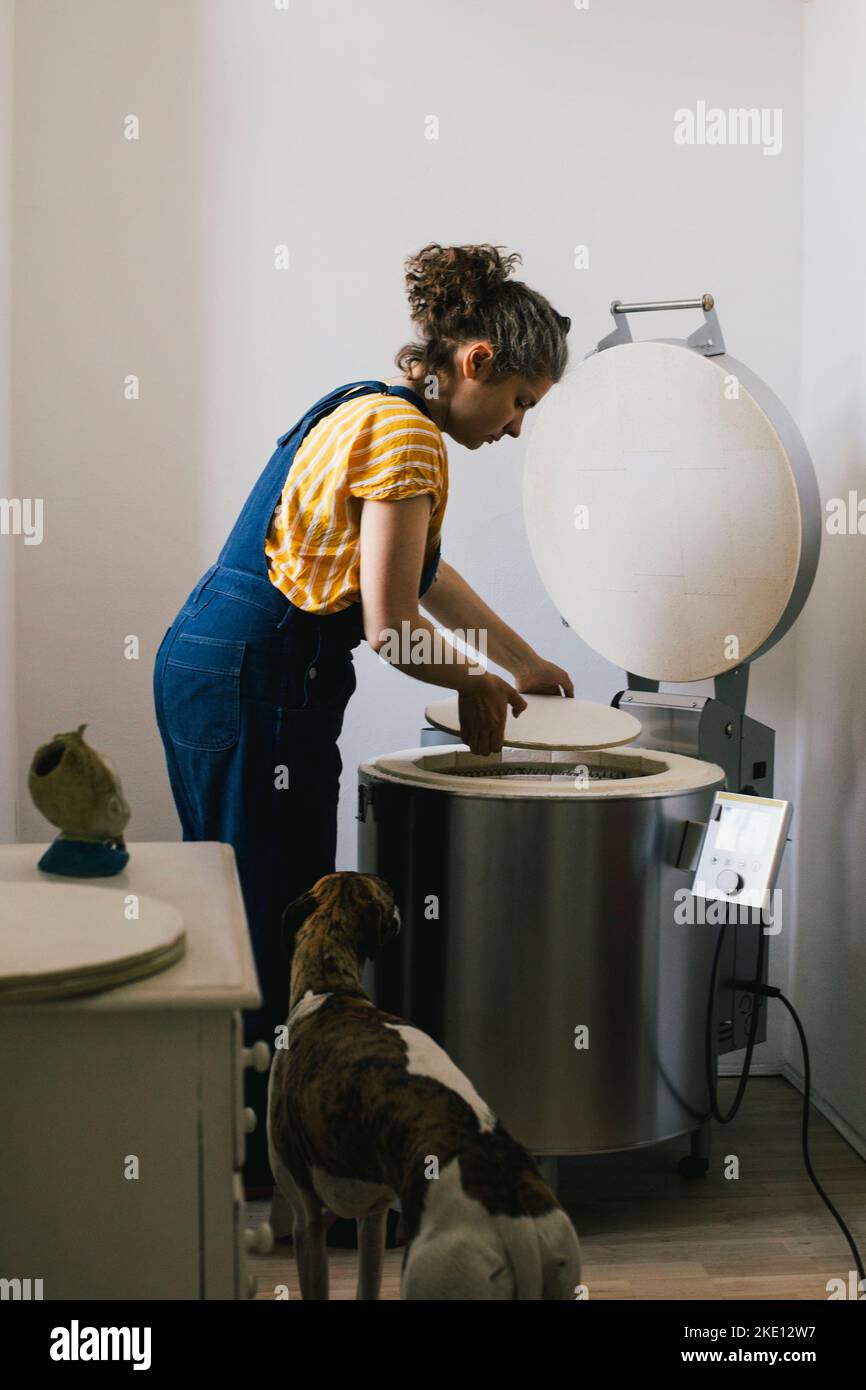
(693, 1166)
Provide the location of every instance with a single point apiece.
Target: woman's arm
(393, 537)
(452, 602)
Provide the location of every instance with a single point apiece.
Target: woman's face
(481, 411)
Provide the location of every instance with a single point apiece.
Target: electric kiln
(673, 514)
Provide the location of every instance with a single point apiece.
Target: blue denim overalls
(250, 693)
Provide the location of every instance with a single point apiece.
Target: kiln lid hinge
(707, 339)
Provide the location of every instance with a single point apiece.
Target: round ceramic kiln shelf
(551, 721)
(58, 940)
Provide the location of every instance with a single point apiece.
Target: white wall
(8, 543)
(308, 127)
(830, 948)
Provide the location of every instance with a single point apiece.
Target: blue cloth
(246, 684)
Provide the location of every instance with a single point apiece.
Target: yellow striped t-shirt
(377, 446)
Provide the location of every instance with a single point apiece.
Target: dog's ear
(381, 919)
(294, 916)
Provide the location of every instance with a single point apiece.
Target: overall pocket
(201, 691)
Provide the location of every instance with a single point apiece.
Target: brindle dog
(363, 1108)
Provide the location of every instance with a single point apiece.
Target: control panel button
(729, 881)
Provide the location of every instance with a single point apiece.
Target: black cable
(757, 988)
(774, 993)
(709, 1049)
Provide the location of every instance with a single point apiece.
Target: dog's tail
(519, 1237)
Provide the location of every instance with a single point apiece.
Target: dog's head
(360, 908)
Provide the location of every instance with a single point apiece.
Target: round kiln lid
(550, 721)
(672, 509)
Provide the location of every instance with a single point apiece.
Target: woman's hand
(539, 677)
(483, 708)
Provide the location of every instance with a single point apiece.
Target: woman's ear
(294, 916)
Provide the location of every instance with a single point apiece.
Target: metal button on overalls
(250, 693)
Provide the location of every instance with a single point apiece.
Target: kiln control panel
(742, 849)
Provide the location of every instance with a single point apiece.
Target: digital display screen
(744, 829)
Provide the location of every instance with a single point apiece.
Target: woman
(337, 542)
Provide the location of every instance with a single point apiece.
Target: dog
(364, 1109)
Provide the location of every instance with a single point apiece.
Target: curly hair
(462, 292)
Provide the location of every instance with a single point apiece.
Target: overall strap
(352, 391)
(411, 396)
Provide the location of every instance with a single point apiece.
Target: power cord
(710, 1051)
(756, 987)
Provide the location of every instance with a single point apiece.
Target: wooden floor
(647, 1233)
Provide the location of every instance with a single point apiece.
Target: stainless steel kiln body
(526, 920)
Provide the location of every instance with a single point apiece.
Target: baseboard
(825, 1108)
(822, 1105)
(761, 1069)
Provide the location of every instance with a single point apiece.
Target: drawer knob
(259, 1239)
(258, 1056)
(248, 1119)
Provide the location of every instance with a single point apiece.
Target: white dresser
(150, 1071)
